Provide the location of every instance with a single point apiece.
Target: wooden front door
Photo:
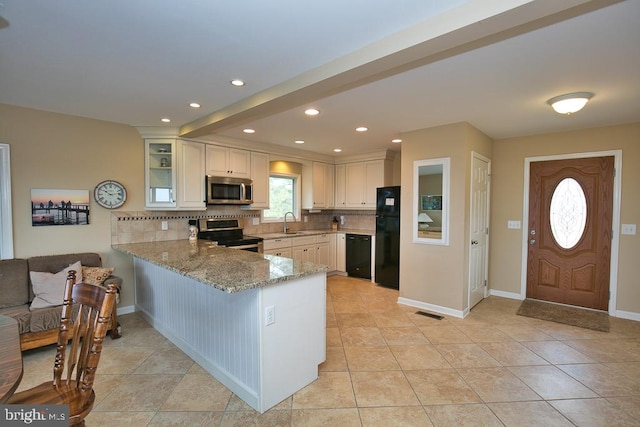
(570, 220)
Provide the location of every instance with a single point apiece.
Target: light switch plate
(513, 224)
(165, 225)
(629, 229)
(269, 315)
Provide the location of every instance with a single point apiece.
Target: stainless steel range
(228, 233)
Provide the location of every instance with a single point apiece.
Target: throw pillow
(96, 275)
(49, 287)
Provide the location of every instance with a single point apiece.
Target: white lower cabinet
(341, 252)
(320, 249)
(304, 253)
(284, 252)
(326, 250)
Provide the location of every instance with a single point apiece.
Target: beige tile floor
(387, 366)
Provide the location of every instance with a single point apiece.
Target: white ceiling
(393, 66)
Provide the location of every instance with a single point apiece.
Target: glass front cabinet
(160, 173)
(174, 174)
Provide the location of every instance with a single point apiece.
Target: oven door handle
(243, 247)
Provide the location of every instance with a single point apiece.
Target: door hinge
(614, 172)
(485, 283)
(486, 230)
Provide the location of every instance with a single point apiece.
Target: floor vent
(435, 316)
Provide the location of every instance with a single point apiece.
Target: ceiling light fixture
(362, 129)
(248, 131)
(237, 82)
(311, 112)
(338, 150)
(396, 141)
(299, 141)
(570, 103)
(194, 105)
(165, 120)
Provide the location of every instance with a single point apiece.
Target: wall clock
(110, 194)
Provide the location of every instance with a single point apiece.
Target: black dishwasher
(358, 247)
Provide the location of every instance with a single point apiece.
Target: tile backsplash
(146, 226)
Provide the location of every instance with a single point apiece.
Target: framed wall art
(431, 202)
(59, 207)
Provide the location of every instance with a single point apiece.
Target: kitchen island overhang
(255, 322)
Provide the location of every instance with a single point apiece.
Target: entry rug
(583, 318)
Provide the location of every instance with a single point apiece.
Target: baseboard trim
(629, 315)
(126, 310)
(503, 294)
(433, 308)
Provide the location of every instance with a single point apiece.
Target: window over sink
(284, 196)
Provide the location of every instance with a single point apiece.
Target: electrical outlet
(165, 225)
(306, 218)
(341, 219)
(513, 224)
(269, 315)
(256, 221)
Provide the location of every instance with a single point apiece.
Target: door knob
(474, 242)
(532, 241)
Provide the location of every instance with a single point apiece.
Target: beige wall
(433, 274)
(54, 151)
(51, 150)
(507, 202)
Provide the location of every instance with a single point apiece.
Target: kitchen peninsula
(255, 322)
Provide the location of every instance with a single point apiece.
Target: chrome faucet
(285, 220)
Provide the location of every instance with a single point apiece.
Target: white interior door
(479, 228)
(6, 223)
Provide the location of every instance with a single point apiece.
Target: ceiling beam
(472, 25)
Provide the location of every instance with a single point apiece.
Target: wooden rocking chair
(86, 312)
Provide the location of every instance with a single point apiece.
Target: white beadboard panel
(226, 335)
(223, 328)
(293, 346)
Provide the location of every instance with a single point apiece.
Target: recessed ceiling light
(362, 129)
(337, 150)
(248, 131)
(165, 120)
(237, 82)
(397, 140)
(299, 141)
(194, 105)
(311, 112)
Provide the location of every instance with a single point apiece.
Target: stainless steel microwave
(223, 190)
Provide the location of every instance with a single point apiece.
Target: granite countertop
(229, 270)
(299, 233)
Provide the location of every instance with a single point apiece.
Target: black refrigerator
(387, 266)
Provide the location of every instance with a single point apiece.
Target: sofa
(34, 305)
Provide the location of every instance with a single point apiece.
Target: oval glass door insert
(568, 213)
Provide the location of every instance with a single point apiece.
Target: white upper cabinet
(260, 177)
(318, 186)
(361, 181)
(190, 179)
(340, 187)
(223, 161)
(174, 174)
